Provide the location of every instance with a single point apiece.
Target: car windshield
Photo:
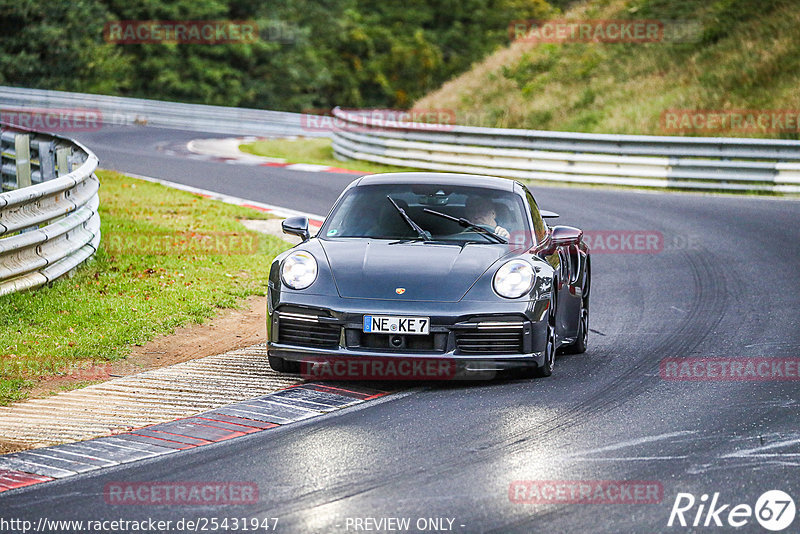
(366, 211)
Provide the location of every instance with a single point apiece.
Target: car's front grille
(434, 342)
(489, 342)
(408, 343)
(307, 333)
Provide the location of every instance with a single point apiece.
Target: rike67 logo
(774, 510)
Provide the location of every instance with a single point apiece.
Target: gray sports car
(430, 267)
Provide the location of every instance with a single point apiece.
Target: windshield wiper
(468, 224)
(417, 228)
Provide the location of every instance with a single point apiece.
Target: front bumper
(477, 336)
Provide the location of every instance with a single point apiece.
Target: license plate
(392, 324)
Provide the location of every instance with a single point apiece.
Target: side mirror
(548, 214)
(296, 226)
(563, 236)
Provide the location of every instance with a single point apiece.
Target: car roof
(443, 178)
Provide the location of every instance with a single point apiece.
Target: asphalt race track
(724, 284)
(146, 151)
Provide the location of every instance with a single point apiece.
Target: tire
(549, 349)
(579, 345)
(282, 366)
(582, 338)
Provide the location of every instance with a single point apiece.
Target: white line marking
(228, 199)
(746, 453)
(630, 443)
(307, 167)
(629, 458)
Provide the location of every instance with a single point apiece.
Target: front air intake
(307, 331)
(488, 341)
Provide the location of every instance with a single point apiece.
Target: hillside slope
(745, 55)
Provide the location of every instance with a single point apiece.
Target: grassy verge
(167, 258)
(728, 55)
(313, 150)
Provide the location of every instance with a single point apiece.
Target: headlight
(514, 279)
(299, 270)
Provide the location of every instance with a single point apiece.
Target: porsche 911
(431, 266)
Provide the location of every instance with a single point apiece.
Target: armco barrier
(109, 111)
(637, 160)
(48, 208)
(717, 163)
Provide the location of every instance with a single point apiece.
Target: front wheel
(549, 351)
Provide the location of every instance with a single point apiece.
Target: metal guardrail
(48, 208)
(121, 111)
(652, 161)
(718, 163)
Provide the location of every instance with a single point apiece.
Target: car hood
(378, 269)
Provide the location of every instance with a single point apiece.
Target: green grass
(744, 55)
(13, 389)
(312, 150)
(126, 295)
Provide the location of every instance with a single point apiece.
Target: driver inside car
(481, 211)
